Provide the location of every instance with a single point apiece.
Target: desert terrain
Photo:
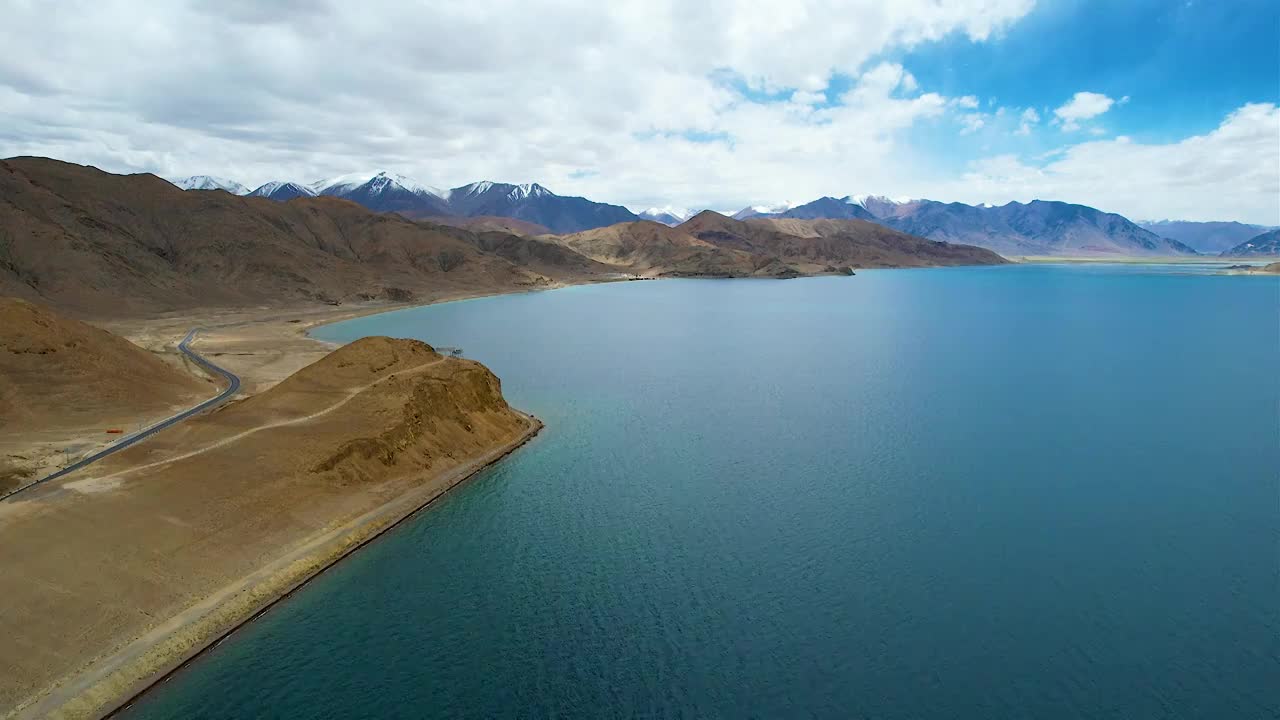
(222, 514)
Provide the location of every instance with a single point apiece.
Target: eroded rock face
(387, 406)
(440, 416)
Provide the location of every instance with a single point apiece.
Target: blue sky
(1184, 65)
(1146, 108)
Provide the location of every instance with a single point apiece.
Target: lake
(1047, 491)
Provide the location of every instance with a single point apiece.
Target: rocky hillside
(110, 245)
(813, 246)
(653, 249)
(102, 245)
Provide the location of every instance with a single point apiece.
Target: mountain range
(1036, 228)
(93, 243)
(1209, 238)
(389, 192)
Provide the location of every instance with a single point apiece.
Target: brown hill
(653, 249)
(486, 223)
(61, 373)
(102, 244)
(812, 245)
(541, 254)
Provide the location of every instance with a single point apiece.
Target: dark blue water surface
(1014, 492)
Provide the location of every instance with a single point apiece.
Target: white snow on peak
(378, 181)
(468, 190)
(773, 209)
(862, 200)
(770, 209)
(678, 213)
(515, 192)
(210, 182)
(529, 190)
(271, 187)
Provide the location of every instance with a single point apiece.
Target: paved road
(233, 385)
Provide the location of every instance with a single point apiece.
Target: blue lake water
(1019, 492)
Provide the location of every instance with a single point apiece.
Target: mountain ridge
(1265, 244)
(384, 191)
(1040, 227)
(95, 244)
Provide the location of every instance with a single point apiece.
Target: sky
(1153, 109)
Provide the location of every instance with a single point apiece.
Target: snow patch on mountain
(378, 183)
(210, 182)
(678, 213)
(271, 188)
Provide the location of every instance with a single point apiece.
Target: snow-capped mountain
(879, 205)
(209, 182)
(534, 203)
(828, 207)
(282, 190)
(483, 191)
(824, 207)
(667, 215)
(385, 192)
(374, 183)
(388, 192)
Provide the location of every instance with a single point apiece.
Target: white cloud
(512, 90)
(1028, 118)
(971, 123)
(626, 101)
(1083, 106)
(1232, 172)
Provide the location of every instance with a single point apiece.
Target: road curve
(233, 386)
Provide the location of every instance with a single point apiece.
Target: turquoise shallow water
(1033, 491)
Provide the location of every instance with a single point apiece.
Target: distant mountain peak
(282, 190)
(512, 191)
(375, 183)
(210, 182)
(530, 190)
(668, 215)
(756, 210)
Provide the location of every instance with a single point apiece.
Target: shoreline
(116, 681)
(111, 683)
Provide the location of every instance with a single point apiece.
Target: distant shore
(1142, 259)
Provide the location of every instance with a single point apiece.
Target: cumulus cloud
(971, 123)
(1229, 173)
(1028, 118)
(1083, 106)
(639, 102)
(611, 99)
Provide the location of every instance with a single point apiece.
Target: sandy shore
(136, 638)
